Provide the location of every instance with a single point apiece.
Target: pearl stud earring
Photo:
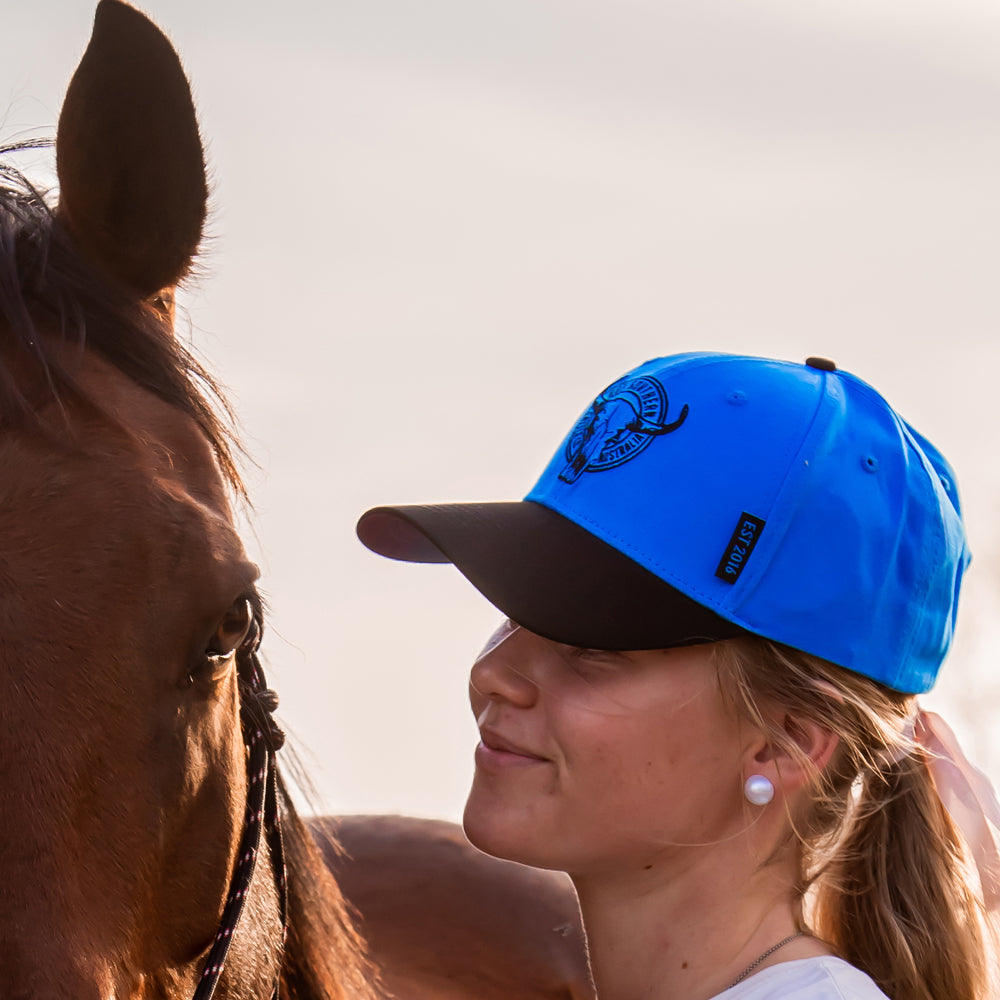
(758, 790)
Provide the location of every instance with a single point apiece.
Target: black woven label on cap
(740, 547)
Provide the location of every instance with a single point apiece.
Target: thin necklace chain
(767, 954)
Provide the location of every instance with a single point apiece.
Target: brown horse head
(126, 598)
(129, 620)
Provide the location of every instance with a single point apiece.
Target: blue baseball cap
(705, 496)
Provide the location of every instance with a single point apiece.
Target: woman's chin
(496, 831)
(485, 830)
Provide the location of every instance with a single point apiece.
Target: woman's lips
(496, 751)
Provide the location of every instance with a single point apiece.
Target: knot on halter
(259, 705)
(267, 701)
(258, 701)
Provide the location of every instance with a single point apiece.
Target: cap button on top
(823, 364)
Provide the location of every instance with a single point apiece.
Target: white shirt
(822, 978)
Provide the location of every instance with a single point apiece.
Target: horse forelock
(52, 296)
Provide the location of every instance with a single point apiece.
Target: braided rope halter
(263, 738)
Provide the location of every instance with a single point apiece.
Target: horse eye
(231, 630)
(163, 303)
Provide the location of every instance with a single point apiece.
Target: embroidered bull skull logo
(620, 423)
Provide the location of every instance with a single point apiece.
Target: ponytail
(896, 899)
(886, 878)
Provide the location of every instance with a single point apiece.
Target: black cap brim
(547, 573)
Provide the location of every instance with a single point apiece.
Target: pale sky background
(440, 227)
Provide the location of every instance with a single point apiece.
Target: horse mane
(50, 296)
(325, 956)
(45, 284)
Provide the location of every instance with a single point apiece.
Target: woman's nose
(503, 671)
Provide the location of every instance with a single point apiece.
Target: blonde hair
(884, 873)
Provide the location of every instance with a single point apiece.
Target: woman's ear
(793, 762)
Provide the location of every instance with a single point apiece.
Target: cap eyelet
(869, 463)
(736, 397)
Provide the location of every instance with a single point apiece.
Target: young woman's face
(592, 759)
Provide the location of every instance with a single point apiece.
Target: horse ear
(130, 162)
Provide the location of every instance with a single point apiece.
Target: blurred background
(440, 228)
